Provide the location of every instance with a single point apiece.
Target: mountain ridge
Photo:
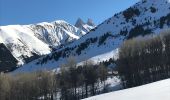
(29, 42)
(143, 18)
(86, 27)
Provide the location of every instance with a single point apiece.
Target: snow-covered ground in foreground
(155, 91)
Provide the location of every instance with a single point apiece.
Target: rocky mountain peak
(79, 22)
(90, 22)
(86, 27)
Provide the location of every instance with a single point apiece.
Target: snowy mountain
(29, 42)
(143, 18)
(86, 27)
(154, 91)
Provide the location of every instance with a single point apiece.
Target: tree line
(81, 82)
(27, 86)
(144, 60)
(72, 82)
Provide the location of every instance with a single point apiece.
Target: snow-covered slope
(154, 91)
(28, 42)
(56, 33)
(145, 17)
(85, 26)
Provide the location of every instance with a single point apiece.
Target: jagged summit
(85, 26)
(79, 22)
(102, 43)
(28, 42)
(90, 22)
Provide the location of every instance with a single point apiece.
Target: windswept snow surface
(155, 91)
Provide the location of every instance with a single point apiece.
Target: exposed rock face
(7, 61)
(85, 26)
(90, 22)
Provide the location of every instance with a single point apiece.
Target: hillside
(143, 18)
(29, 42)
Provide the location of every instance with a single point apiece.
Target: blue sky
(35, 11)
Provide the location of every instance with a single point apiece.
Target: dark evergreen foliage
(138, 30)
(124, 32)
(103, 38)
(85, 44)
(131, 12)
(165, 20)
(153, 9)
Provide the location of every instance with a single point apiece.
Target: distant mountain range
(29, 42)
(102, 42)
